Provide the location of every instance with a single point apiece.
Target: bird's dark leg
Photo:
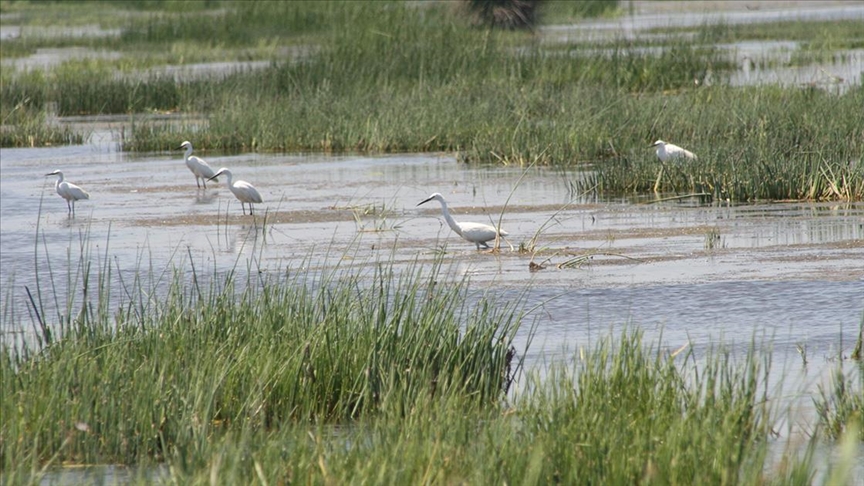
(203, 181)
(250, 209)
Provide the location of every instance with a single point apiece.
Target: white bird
(68, 191)
(243, 191)
(668, 151)
(477, 233)
(197, 165)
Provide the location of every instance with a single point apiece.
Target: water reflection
(204, 196)
(243, 239)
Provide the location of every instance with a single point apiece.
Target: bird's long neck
(450, 221)
(188, 153)
(59, 181)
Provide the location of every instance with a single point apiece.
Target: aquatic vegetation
(24, 125)
(148, 376)
(840, 405)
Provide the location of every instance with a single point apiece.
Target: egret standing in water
(243, 191)
(477, 233)
(670, 152)
(68, 191)
(198, 166)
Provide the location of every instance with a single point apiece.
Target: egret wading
(198, 166)
(477, 233)
(68, 191)
(242, 190)
(668, 152)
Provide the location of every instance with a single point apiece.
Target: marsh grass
(766, 143)
(397, 77)
(840, 404)
(167, 364)
(622, 412)
(29, 128)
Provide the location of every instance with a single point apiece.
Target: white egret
(68, 191)
(670, 152)
(477, 233)
(243, 191)
(197, 165)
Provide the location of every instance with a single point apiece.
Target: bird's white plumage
(197, 165)
(668, 151)
(477, 233)
(242, 190)
(68, 191)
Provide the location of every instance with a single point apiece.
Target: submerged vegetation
(393, 77)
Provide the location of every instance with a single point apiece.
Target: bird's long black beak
(213, 178)
(425, 201)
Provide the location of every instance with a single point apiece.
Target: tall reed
(164, 365)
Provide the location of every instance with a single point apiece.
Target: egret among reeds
(667, 152)
(242, 190)
(197, 165)
(68, 191)
(477, 233)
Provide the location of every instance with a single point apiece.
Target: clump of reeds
(179, 362)
(623, 412)
(840, 405)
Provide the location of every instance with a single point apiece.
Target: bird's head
(219, 172)
(56, 172)
(658, 143)
(185, 145)
(436, 196)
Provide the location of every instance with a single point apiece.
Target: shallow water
(146, 208)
